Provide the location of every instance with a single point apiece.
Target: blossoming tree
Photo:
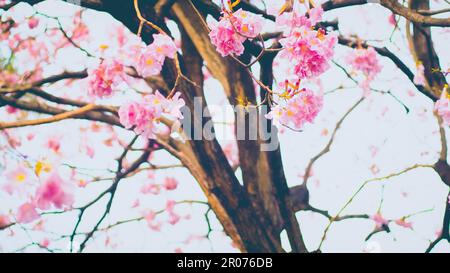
(98, 101)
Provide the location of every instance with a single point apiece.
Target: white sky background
(402, 139)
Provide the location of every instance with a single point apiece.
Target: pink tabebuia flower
(152, 57)
(365, 61)
(150, 217)
(170, 183)
(54, 192)
(150, 62)
(442, 107)
(105, 78)
(379, 220)
(150, 188)
(164, 45)
(298, 110)
(27, 213)
(4, 221)
(143, 116)
(17, 179)
(403, 223)
(308, 50)
(229, 34)
(33, 22)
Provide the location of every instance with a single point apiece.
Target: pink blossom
(392, 19)
(150, 217)
(54, 144)
(225, 39)
(4, 221)
(419, 78)
(232, 154)
(379, 220)
(145, 115)
(170, 205)
(150, 62)
(315, 15)
(170, 183)
(104, 78)
(442, 107)
(173, 218)
(45, 242)
(164, 45)
(403, 223)
(129, 113)
(54, 192)
(33, 22)
(365, 61)
(11, 110)
(18, 178)
(27, 213)
(309, 51)
(300, 109)
(229, 34)
(247, 24)
(150, 188)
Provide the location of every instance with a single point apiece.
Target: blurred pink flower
(442, 107)
(27, 213)
(402, 222)
(170, 183)
(379, 220)
(33, 22)
(104, 78)
(4, 221)
(300, 109)
(54, 192)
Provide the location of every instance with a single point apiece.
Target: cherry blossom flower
(300, 109)
(54, 192)
(27, 213)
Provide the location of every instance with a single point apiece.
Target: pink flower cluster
(303, 107)
(53, 192)
(152, 57)
(109, 74)
(442, 107)
(309, 51)
(104, 78)
(143, 116)
(233, 29)
(365, 60)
